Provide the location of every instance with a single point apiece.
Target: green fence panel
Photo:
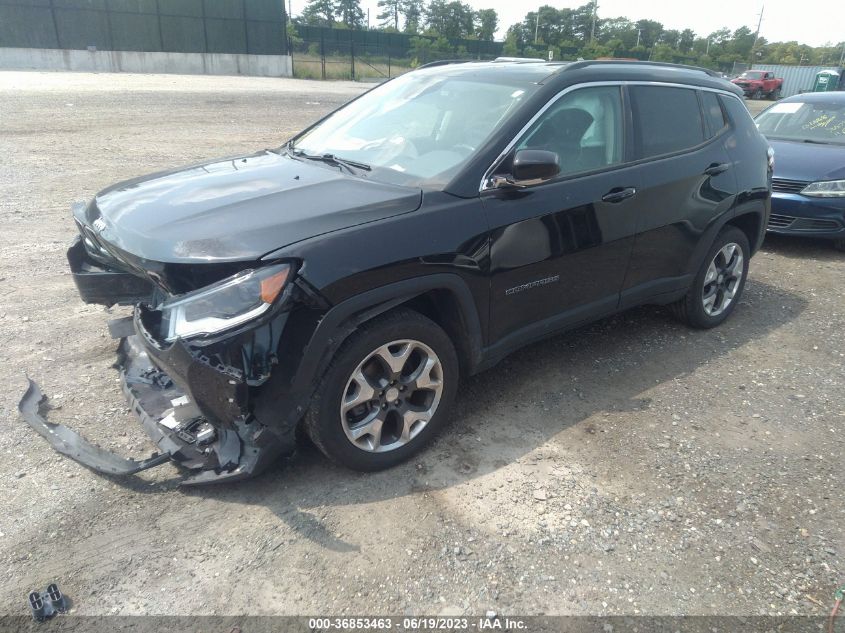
(224, 9)
(266, 38)
(81, 29)
(182, 35)
(135, 32)
(225, 36)
(27, 27)
(184, 26)
(270, 10)
(133, 6)
(80, 4)
(184, 8)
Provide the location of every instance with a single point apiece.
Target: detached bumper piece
(97, 283)
(70, 443)
(196, 438)
(45, 605)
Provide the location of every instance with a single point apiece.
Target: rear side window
(713, 113)
(666, 120)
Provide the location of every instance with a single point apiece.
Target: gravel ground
(630, 467)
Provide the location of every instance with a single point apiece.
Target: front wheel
(386, 393)
(757, 94)
(774, 95)
(718, 285)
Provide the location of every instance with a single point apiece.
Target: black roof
(576, 72)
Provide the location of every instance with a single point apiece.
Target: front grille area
(802, 224)
(812, 224)
(785, 185)
(780, 221)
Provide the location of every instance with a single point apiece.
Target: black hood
(238, 209)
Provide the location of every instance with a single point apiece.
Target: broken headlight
(225, 304)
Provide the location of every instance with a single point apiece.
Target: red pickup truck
(757, 83)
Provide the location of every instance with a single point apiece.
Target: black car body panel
(495, 267)
(238, 209)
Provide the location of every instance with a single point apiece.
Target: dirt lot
(634, 466)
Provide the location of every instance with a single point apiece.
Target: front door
(560, 249)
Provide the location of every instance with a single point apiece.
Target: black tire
(691, 309)
(324, 422)
(757, 94)
(774, 95)
(839, 245)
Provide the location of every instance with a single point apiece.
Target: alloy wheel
(391, 396)
(722, 280)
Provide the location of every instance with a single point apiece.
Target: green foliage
(570, 31)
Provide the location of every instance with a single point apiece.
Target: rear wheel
(718, 285)
(757, 94)
(774, 95)
(386, 393)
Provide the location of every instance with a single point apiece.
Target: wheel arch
(750, 223)
(442, 297)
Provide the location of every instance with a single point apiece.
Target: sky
(813, 22)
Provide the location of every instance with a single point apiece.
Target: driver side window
(584, 129)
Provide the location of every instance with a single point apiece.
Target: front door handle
(618, 194)
(716, 168)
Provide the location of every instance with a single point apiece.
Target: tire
(359, 418)
(839, 245)
(757, 94)
(774, 95)
(693, 308)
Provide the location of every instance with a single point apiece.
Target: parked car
(807, 133)
(757, 84)
(420, 233)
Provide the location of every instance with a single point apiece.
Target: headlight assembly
(825, 189)
(225, 304)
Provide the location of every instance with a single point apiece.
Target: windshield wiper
(331, 159)
(809, 140)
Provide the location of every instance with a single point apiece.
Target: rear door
(686, 183)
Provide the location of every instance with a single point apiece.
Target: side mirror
(531, 167)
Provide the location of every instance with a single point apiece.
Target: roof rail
(444, 62)
(521, 60)
(598, 62)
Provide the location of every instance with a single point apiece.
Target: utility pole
(593, 27)
(756, 36)
(707, 49)
(639, 32)
(537, 25)
(842, 57)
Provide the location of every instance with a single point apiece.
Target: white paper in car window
(786, 108)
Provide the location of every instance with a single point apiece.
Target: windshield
(751, 75)
(416, 129)
(820, 122)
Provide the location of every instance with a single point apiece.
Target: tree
(450, 19)
(650, 32)
(390, 10)
(412, 11)
(350, 13)
(319, 13)
(686, 40)
(488, 22)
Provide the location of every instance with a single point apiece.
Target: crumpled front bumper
(194, 412)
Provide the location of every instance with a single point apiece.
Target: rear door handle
(716, 168)
(618, 194)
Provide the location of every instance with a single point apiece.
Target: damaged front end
(192, 367)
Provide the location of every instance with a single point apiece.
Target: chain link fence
(322, 59)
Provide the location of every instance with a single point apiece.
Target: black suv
(346, 281)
